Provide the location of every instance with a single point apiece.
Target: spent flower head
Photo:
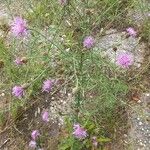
(94, 141)
(18, 91)
(131, 31)
(19, 27)
(47, 85)
(79, 132)
(35, 134)
(45, 116)
(63, 2)
(18, 61)
(32, 144)
(88, 42)
(124, 59)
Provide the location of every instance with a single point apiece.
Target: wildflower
(88, 42)
(94, 140)
(79, 132)
(131, 32)
(19, 27)
(18, 61)
(47, 86)
(32, 144)
(125, 60)
(45, 116)
(35, 134)
(63, 2)
(18, 91)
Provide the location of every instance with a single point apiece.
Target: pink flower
(45, 116)
(125, 60)
(18, 61)
(88, 42)
(79, 132)
(63, 2)
(32, 144)
(35, 134)
(47, 86)
(18, 91)
(131, 32)
(19, 27)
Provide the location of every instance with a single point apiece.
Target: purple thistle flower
(19, 27)
(18, 91)
(18, 61)
(125, 60)
(63, 2)
(47, 85)
(79, 132)
(32, 144)
(131, 32)
(45, 116)
(88, 42)
(35, 134)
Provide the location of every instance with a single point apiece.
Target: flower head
(47, 85)
(35, 134)
(79, 132)
(32, 144)
(125, 60)
(131, 32)
(63, 2)
(94, 140)
(18, 91)
(88, 42)
(18, 61)
(45, 116)
(19, 27)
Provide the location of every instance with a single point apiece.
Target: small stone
(68, 49)
(145, 142)
(138, 65)
(140, 123)
(138, 118)
(64, 102)
(3, 94)
(69, 94)
(141, 144)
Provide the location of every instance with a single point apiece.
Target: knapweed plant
(55, 41)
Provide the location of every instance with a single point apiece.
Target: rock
(116, 39)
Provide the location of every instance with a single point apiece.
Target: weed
(61, 44)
